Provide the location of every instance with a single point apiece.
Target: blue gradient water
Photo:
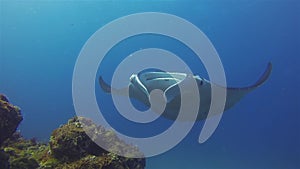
(40, 41)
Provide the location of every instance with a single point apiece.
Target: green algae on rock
(23, 153)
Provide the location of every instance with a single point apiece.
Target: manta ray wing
(236, 94)
(108, 89)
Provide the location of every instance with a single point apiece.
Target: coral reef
(23, 153)
(70, 142)
(10, 118)
(69, 146)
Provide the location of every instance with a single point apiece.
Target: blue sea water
(41, 40)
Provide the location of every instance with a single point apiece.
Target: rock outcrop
(70, 143)
(10, 118)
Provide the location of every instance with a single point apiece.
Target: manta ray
(142, 84)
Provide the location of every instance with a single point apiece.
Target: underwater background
(40, 42)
